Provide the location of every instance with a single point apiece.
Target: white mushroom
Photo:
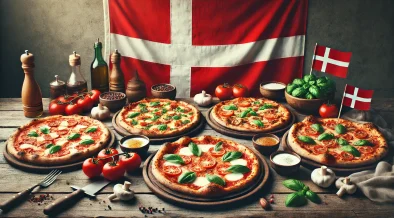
(323, 176)
(122, 192)
(345, 186)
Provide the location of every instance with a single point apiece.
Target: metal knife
(67, 201)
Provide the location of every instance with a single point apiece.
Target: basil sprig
(352, 150)
(243, 114)
(294, 184)
(187, 177)
(325, 136)
(299, 198)
(195, 149)
(218, 146)
(176, 117)
(32, 134)
(134, 114)
(362, 142)
(230, 107)
(73, 136)
(295, 199)
(215, 179)
(155, 103)
(91, 129)
(232, 155)
(86, 142)
(173, 158)
(258, 123)
(54, 149)
(162, 127)
(340, 129)
(342, 141)
(317, 127)
(155, 117)
(49, 145)
(265, 106)
(306, 139)
(238, 169)
(134, 122)
(312, 197)
(179, 109)
(185, 121)
(44, 129)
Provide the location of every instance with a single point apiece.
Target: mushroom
(323, 176)
(122, 192)
(345, 186)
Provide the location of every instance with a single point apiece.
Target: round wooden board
(238, 134)
(193, 131)
(312, 164)
(44, 169)
(199, 202)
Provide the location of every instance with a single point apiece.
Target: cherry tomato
(330, 143)
(173, 105)
(86, 103)
(217, 153)
(227, 113)
(186, 159)
(66, 98)
(107, 153)
(172, 170)
(95, 95)
(330, 124)
(222, 169)
(244, 104)
(270, 116)
(130, 162)
(310, 131)
(240, 90)
(56, 107)
(73, 109)
(196, 168)
(224, 92)
(319, 149)
(92, 167)
(347, 137)
(328, 110)
(207, 162)
(365, 149)
(346, 156)
(143, 123)
(113, 171)
(361, 134)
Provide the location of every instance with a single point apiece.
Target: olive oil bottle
(99, 69)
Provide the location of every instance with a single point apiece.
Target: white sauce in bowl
(273, 86)
(286, 159)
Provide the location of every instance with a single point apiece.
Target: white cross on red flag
(331, 61)
(357, 98)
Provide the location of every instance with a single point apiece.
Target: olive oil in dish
(135, 143)
(286, 159)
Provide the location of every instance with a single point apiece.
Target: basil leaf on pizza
(155, 117)
(325, 136)
(176, 117)
(230, 107)
(173, 158)
(162, 127)
(317, 127)
(265, 106)
(143, 110)
(253, 113)
(134, 122)
(179, 109)
(258, 123)
(218, 146)
(73, 136)
(215, 179)
(238, 169)
(306, 139)
(49, 145)
(342, 141)
(54, 149)
(243, 114)
(232, 155)
(91, 129)
(32, 134)
(185, 121)
(134, 114)
(163, 111)
(187, 177)
(44, 129)
(195, 149)
(340, 129)
(155, 103)
(86, 142)
(141, 105)
(256, 102)
(352, 150)
(362, 142)
(294, 184)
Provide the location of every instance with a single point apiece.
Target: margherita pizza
(251, 114)
(57, 140)
(158, 117)
(205, 166)
(337, 142)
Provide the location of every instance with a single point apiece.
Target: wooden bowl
(164, 94)
(113, 105)
(265, 150)
(141, 151)
(283, 169)
(308, 106)
(272, 94)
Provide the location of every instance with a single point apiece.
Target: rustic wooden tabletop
(13, 181)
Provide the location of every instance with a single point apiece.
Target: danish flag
(357, 98)
(331, 61)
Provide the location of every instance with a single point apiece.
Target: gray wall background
(52, 29)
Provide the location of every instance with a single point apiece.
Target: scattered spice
(40, 199)
(163, 87)
(271, 201)
(150, 210)
(112, 95)
(109, 207)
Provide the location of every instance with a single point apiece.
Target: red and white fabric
(198, 44)
(331, 61)
(357, 98)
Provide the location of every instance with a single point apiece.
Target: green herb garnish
(173, 158)
(215, 179)
(187, 177)
(73, 136)
(195, 149)
(32, 134)
(232, 155)
(86, 142)
(91, 129)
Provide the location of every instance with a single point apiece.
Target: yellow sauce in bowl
(267, 141)
(135, 143)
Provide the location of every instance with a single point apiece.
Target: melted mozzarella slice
(53, 135)
(171, 164)
(86, 137)
(78, 127)
(185, 151)
(61, 142)
(234, 176)
(26, 146)
(201, 181)
(64, 123)
(62, 127)
(205, 147)
(40, 139)
(242, 162)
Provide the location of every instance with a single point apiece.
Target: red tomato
(310, 131)
(346, 156)
(173, 105)
(113, 171)
(95, 95)
(73, 109)
(56, 107)
(319, 149)
(130, 162)
(244, 104)
(105, 154)
(365, 149)
(240, 90)
(222, 169)
(332, 143)
(217, 153)
(227, 113)
(196, 168)
(186, 159)
(347, 137)
(328, 110)
(224, 92)
(66, 98)
(172, 170)
(143, 123)
(208, 163)
(86, 103)
(361, 134)
(92, 167)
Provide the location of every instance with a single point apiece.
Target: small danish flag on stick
(356, 98)
(331, 61)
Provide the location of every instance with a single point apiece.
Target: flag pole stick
(313, 58)
(340, 109)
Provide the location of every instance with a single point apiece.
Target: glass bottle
(57, 88)
(99, 70)
(76, 83)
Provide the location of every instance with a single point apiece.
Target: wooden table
(13, 180)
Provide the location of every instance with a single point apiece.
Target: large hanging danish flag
(331, 61)
(198, 44)
(357, 98)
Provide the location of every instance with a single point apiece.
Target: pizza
(205, 166)
(158, 117)
(56, 140)
(337, 142)
(251, 114)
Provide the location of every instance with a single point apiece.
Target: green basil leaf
(325, 136)
(32, 134)
(176, 117)
(149, 126)
(232, 155)
(134, 114)
(306, 139)
(342, 141)
(73, 136)
(295, 199)
(195, 149)
(294, 184)
(91, 129)
(44, 129)
(352, 150)
(185, 121)
(49, 145)
(86, 142)
(362, 142)
(155, 103)
(155, 117)
(218, 146)
(162, 127)
(258, 123)
(215, 179)
(167, 117)
(340, 129)
(187, 177)
(312, 197)
(243, 114)
(238, 169)
(173, 158)
(230, 107)
(253, 113)
(54, 149)
(143, 110)
(141, 105)
(178, 109)
(134, 122)
(256, 102)
(317, 127)
(163, 111)
(265, 106)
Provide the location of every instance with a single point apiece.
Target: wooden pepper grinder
(136, 89)
(31, 92)
(116, 80)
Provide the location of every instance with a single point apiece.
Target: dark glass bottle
(99, 70)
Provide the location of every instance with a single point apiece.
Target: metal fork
(18, 198)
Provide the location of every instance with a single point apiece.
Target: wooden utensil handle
(64, 202)
(16, 199)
